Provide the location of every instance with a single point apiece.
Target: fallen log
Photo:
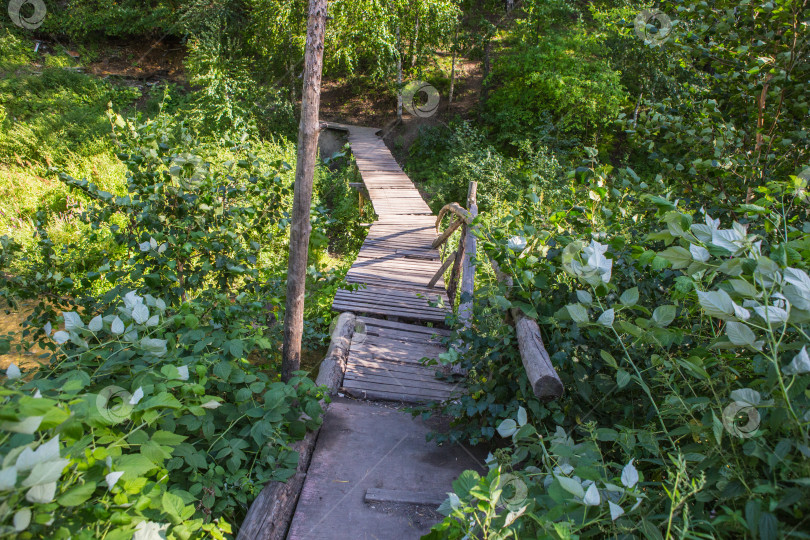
(546, 384)
(271, 512)
(333, 365)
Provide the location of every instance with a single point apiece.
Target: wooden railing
(546, 384)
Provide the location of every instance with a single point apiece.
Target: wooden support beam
(445, 265)
(446, 234)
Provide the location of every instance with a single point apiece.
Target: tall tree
(302, 196)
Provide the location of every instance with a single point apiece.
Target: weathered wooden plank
(370, 323)
(391, 496)
(419, 394)
(390, 312)
(383, 376)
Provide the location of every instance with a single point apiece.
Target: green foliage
(188, 225)
(682, 349)
(145, 417)
(202, 423)
(564, 75)
(739, 118)
(447, 159)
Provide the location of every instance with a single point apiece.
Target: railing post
(465, 307)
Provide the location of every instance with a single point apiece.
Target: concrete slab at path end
(366, 446)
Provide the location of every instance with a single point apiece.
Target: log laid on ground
(546, 384)
(270, 514)
(334, 363)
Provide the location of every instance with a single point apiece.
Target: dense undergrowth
(643, 186)
(150, 233)
(667, 270)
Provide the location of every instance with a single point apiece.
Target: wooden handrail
(442, 238)
(545, 381)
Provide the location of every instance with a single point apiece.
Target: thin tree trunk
(302, 196)
(399, 77)
(484, 85)
(453, 69)
(415, 43)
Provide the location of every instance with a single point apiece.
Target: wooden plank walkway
(392, 271)
(373, 473)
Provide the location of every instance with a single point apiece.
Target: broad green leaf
(140, 313)
(772, 314)
(606, 318)
(95, 324)
(800, 364)
(465, 482)
(699, 253)
(678, 256)
(22, 519)
(507, 428)
(747, 396)
(571, 486)
(716, 303)
(607, 357)
(72, 320)
(739, 333)
(629, 475)
(41, 494)
(616, 511)
(45, 473)
(522, 416)
(629, 297)
(592, 497)
(664, 315)
(501, 302)
(173, 506)
(154, 346)
(117, 326)
(578, 313)
(585, 297)
(622, 378)
(13, 372)
(77, 495)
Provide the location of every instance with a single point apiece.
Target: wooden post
(465, 307)
(301, 228)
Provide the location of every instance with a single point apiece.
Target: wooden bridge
(369, 472)
(391, 280)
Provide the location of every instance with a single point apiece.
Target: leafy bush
(145, 419)
(563, 75)
(683, 352)
(202, 423)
